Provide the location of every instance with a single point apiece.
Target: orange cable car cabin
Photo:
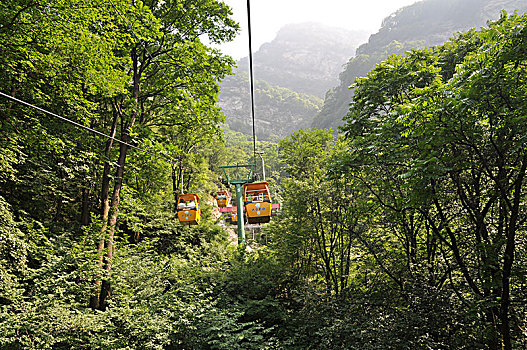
(233, 219)
(188, 209)
(223, 198)
(257, 202)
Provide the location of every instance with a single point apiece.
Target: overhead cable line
(163, 156)
(251, 75)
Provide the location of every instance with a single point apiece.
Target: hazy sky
(268, 16)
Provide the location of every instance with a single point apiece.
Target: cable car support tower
(242, 180)
(238, 183)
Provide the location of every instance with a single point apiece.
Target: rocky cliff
(305, 58)
(292, 74)
(426, 23)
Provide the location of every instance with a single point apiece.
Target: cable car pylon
(256, 196)
(238, 183)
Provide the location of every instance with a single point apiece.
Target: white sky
(268, 16)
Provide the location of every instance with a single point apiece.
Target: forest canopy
(405, 232)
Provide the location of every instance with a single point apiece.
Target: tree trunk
(508, 258)
(85, 215)
(174, 186)
(112, 222)
(123, 149)
(105, 208)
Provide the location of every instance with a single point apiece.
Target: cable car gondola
(233, 218)
(223, 198)
(257, 202)
(188, 209)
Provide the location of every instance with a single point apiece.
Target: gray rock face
(425, 23)
(305, 58)
(293, 72)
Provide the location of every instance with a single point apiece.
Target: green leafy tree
(173, 83)
(318, 225)
(449, 143)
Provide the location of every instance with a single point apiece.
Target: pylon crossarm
(240, 179)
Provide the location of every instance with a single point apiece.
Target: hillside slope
(426, 23)
(293, 72)
(278, 111)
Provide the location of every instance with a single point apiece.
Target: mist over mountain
(309, 62)
(426, 23)
(292, 73)
(305, 57)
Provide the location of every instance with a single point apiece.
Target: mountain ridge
(292, 73)
(424, 24)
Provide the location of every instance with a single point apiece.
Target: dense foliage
(278, 111)
(431, 234)
(405, 232)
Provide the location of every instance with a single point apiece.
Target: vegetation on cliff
(423, 24)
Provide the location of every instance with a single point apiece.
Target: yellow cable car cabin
(234, 217)
(188, 209)
(223, 198)
(257, 202)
